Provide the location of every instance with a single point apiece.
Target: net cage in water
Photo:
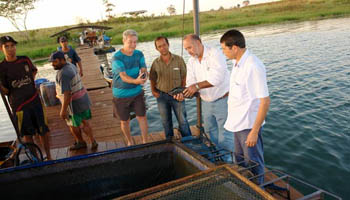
(173, 169)
(219, 183)
(107, 175)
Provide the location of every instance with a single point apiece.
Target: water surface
(307, 131)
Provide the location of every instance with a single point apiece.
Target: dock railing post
(196, 31)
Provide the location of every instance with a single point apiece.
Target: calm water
(307, 133)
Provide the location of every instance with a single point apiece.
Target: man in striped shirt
(74, 99)
(129, 73)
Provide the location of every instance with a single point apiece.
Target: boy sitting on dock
(74, 99)
(17, 74)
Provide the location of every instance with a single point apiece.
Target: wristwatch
(197, 86)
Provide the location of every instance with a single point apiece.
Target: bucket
(48, 93)
(39, 81)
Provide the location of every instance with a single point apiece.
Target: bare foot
(130, 143)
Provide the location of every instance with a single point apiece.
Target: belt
(225, 95)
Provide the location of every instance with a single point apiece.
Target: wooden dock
(106, 129)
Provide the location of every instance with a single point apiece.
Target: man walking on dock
(168, 71)
(207, 74)
(75, 108)
(17, 74)
(129, 73)
(248, 102)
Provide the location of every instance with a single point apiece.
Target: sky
(51, 13)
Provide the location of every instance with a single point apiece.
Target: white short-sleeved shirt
(247, 85)
(212, 68)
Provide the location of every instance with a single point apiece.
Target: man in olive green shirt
(168, 71)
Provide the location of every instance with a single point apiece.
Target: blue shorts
(31, 119)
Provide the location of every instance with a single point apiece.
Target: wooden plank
(111, 145)
(62, 153)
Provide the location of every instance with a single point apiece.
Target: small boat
(103, 50)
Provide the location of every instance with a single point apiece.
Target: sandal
(94, 145)
(78, 145)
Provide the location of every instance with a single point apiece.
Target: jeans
(214, 118)
(165, 104)
(243, 153)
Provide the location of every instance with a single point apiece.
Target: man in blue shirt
(70, 54)
(129, 73)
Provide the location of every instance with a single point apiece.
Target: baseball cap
(5, 39)
(55, 55)
(63, 39)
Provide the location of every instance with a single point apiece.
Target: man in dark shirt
(17, 74)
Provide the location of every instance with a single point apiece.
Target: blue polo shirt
(131, 65)
(71, 54)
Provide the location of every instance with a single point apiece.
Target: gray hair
(193, 37)
(129, 32)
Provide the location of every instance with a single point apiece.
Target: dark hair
(233, 37)
(193, 37)
(159, 38)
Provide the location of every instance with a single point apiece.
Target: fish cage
(219, 183)
(106, 174)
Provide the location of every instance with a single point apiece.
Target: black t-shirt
(17, 77)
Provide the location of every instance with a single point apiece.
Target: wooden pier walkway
(106, 129)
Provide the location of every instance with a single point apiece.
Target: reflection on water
(307, 133)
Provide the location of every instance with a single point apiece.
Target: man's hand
(4, 90)
(179, 97)
(63, 114)
(141, 79)
(81, 73)
(190, 91)
(252, 138)
(155, 94)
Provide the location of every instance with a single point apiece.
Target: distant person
(207, 74)
(168, 71)
(17, 74)
(75, 101)
(129, 73)
(70, 54)
(248, 102)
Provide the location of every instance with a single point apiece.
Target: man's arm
(192, 89)
(131, 80)
(4, 90)
(66, 101)
(80, 69)
(262, 112)
(154, 89)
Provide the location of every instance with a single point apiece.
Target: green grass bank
(41, 45)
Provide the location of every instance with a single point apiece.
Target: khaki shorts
(122, 107)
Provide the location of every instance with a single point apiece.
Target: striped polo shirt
(131, 65)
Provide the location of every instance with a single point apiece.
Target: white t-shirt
(247, 85)
(212, 68)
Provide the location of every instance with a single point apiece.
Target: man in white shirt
(207, 74)
(248, 102)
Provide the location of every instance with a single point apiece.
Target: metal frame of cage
(280, 183)
(167, 189)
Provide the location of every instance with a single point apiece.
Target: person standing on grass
(70, 54)
(129, 73)
(75, 100)
(17, 75)
(248, 102)
(168, 72)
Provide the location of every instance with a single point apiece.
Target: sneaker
(78, 145)
(94, 145)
